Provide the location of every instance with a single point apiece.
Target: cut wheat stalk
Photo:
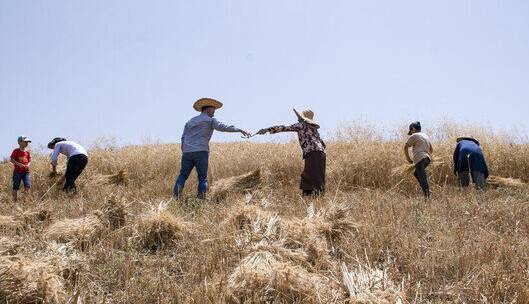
(26, 280)
(241, 183)
(406, 169)
(506, 182)
(369, 285)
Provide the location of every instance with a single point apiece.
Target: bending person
(422, 155)
(195, 144)
(470, 161)
(313, 147)
(77, 160)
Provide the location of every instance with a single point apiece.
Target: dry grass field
(371, 239)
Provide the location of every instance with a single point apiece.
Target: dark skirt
(313, 176)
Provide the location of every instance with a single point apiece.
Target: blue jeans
(190, 160)
(18, 178)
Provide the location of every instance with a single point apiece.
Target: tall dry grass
(371, 239)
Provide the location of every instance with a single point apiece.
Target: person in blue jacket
(469, 161)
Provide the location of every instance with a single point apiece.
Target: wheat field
(371, 239)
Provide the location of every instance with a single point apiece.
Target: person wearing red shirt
(21, 158)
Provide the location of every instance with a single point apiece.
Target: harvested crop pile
(80, 232)
(244, 216)
(302, 234)
(119, 178)
(31, 217)
(505, 182)
(9, 246)
(114, 211)
(84, 231)
(318, 232)
(368, 285)
(24, 280)
(161, 230)
(235, 184)
(11, 224)
(263, 278)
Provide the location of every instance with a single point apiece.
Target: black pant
(74, 168)
(422, 176)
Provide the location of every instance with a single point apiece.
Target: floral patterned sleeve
(292, 128)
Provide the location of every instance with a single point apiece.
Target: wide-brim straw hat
(307, 116)
(206, 102)
(467, 138)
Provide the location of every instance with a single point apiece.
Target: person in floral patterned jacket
(313, 147)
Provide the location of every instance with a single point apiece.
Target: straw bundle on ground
(68, 261)
(31, 217)
(24, 280)
(409, 168)
(303, 234)
(505, 182)
(9, 246)
(120, 178)
(367, 285)
(334, 221)
(243, 217)
(317, 233)
(261, 277)
(161, 230)
(11, 224)
(80, 232)
(114, 211)
(241, 183)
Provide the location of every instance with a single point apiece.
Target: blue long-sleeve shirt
(468, 152)
(198, 131)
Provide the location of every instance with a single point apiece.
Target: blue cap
(24, 138)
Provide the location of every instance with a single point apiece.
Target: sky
(131, 70)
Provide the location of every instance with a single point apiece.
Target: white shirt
(421, 147)
(68, 148)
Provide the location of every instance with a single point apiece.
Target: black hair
(204, 108)
(54, 141)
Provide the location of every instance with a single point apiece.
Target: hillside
(129, 243)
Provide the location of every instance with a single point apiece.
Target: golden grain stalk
(25, 280)
(161, 230)
(11, 224)
(80, 232)
(240, 184)
(84, 231)
(9, 245)
(506, 182)
(261, 277)
(369, 285)
(120, 178)
(406, 169)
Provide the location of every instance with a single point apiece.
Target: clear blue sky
(132, 69)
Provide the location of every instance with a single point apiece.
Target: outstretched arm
(277, 129)
(219, 126)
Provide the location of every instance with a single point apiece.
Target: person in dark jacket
(469, 161)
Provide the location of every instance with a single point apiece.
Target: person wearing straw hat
(195, 144)
(77, 160)
(313, 147)
(422, 155)
(469, 161)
